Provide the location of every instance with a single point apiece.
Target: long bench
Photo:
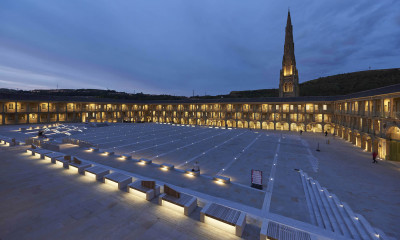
(63, 161)
(117, 180)
(144, 189)
(78, 166)
(51, 157)
(40, 152)
(96, 172)
(225, 218)
(9, 141)
(177, 201)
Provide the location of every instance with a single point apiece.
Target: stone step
(328, 210)
(356, 222)
(346, 218)
(334, 208)
(324, 214)
(308, 198)
(313, 202)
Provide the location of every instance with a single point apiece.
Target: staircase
(328, 212)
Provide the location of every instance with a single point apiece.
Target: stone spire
(289, 80)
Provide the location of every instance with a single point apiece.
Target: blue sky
(176, 46)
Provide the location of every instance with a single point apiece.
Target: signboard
(256, 179)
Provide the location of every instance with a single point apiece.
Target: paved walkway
(40, 201)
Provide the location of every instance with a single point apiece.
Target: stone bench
(31, 149)
(96, 172)
(51, 157)
(192, 173)
(78, 166)
(144, 161)
(166, 166)
(9, 141)
(177, 201)
(225, 218)
(63, 161)
(93, 149)
(221, 179)
(144, 189)
(126, 156)
(39, 152)
(117, 180)
(108, 152)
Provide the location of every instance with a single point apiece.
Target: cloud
(176, 46)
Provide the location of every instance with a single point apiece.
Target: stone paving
(40, 201)
(346, 171)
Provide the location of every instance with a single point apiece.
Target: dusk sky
(176, 46)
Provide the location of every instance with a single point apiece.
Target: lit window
(324, 107)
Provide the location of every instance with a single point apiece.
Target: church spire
(288, 55)
(289, 80)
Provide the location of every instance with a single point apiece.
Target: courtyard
(289, 163)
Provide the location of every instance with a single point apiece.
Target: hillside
(340, 84)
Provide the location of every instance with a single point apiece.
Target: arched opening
(252, 125)
(231, 123)
(200, 122)
(393, 134)
(357, 139)
(328, 128)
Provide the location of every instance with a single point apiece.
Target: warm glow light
(221, 225)
(59, 163)
(173, 207)
(137, 193)
(91, 175)
(74, 169)
(111, 183)
(164, 168)
(219, 181)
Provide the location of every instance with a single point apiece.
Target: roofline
(391, 89)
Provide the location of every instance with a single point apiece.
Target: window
(11, 106)
(324, 107)
(298, 107)
(43, 105)
(316, 107)
(277, 107)
(291, 107)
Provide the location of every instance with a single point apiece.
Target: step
(334, 207)
(308, 198)
(345, 217)
(327, 208)
(356, 222)
(323, 212)
(313, 202)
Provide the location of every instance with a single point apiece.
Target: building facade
(369, 120)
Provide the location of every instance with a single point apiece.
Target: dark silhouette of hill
(340, 84)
